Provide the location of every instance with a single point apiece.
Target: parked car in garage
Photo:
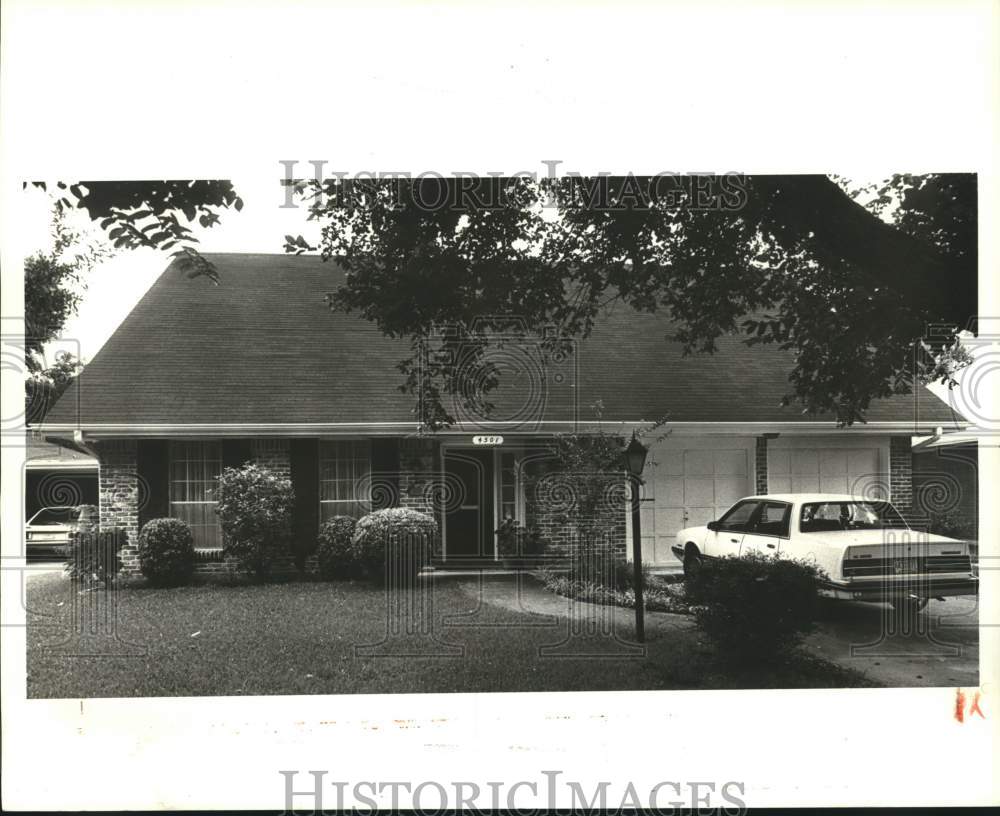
(48, 532)
(864, 546)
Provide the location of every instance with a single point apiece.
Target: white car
(864, 546)
(50, 530)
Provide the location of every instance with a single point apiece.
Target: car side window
(774, 519)
(737, 518)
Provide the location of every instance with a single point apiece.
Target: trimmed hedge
(336, 555)
(166, 552)
(395, 542)
(754, 607)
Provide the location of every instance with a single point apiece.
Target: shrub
(514, 540)
(88, 519)
(94, 556)
(255, 509)
(602, 567)
(952, 526)
(166, 552)
(659, 594)
(404, 535)
(335, 552)
(754, 607)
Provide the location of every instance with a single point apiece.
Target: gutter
(514, 428)
(941, 439)
(80, 444)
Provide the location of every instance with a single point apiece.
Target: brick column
(421, 482)
(419, 475)
(119, 495)
(760, 466)
(901, 474)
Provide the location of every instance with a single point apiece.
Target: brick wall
(274, 454)
(118, 494)
(760, 466)
(420, 479)
(557, 504)
(901, 474)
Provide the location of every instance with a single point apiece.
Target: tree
(42, 388)
(50, 298)
(52, 284)
(798, 261)
(846, 278)
(132, 214)
(137, 214)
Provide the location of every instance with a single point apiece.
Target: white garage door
(856, 471)
(686, 487)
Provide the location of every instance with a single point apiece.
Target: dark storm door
(468, 515)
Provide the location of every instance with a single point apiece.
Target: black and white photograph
(323, 436)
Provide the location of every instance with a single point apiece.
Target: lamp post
(635, 461)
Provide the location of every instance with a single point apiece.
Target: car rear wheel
(692, 563)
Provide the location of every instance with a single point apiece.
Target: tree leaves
(792, 260)
(137, 214)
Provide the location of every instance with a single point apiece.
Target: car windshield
(56, 515)
(818, 517)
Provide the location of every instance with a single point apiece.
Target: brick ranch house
(258, 368)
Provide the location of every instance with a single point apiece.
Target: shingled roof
(263, 348)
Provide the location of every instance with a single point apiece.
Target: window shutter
(304, 460)
(152, 468)
(385, 473)
(236, 452)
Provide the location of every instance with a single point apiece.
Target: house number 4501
(487, 440)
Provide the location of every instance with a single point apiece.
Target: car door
(731, 527)
(768, 529)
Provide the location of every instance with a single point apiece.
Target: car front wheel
(692, 563)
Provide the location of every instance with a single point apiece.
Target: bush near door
(396, 541)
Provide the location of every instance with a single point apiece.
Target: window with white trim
(510, 487)
(344, 478)
(194, 470)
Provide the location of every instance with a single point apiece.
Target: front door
(468, 515)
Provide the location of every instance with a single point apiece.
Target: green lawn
(301, 638)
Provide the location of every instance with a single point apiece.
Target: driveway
(939, 647)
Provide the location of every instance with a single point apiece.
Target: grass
(300, 638)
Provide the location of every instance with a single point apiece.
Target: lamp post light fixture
(635, 461)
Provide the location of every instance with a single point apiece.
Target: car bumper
(51, 548)
(678, 551)
(931, 587)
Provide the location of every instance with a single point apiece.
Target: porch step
(487, 564)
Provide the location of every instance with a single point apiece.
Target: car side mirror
(713, 526)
